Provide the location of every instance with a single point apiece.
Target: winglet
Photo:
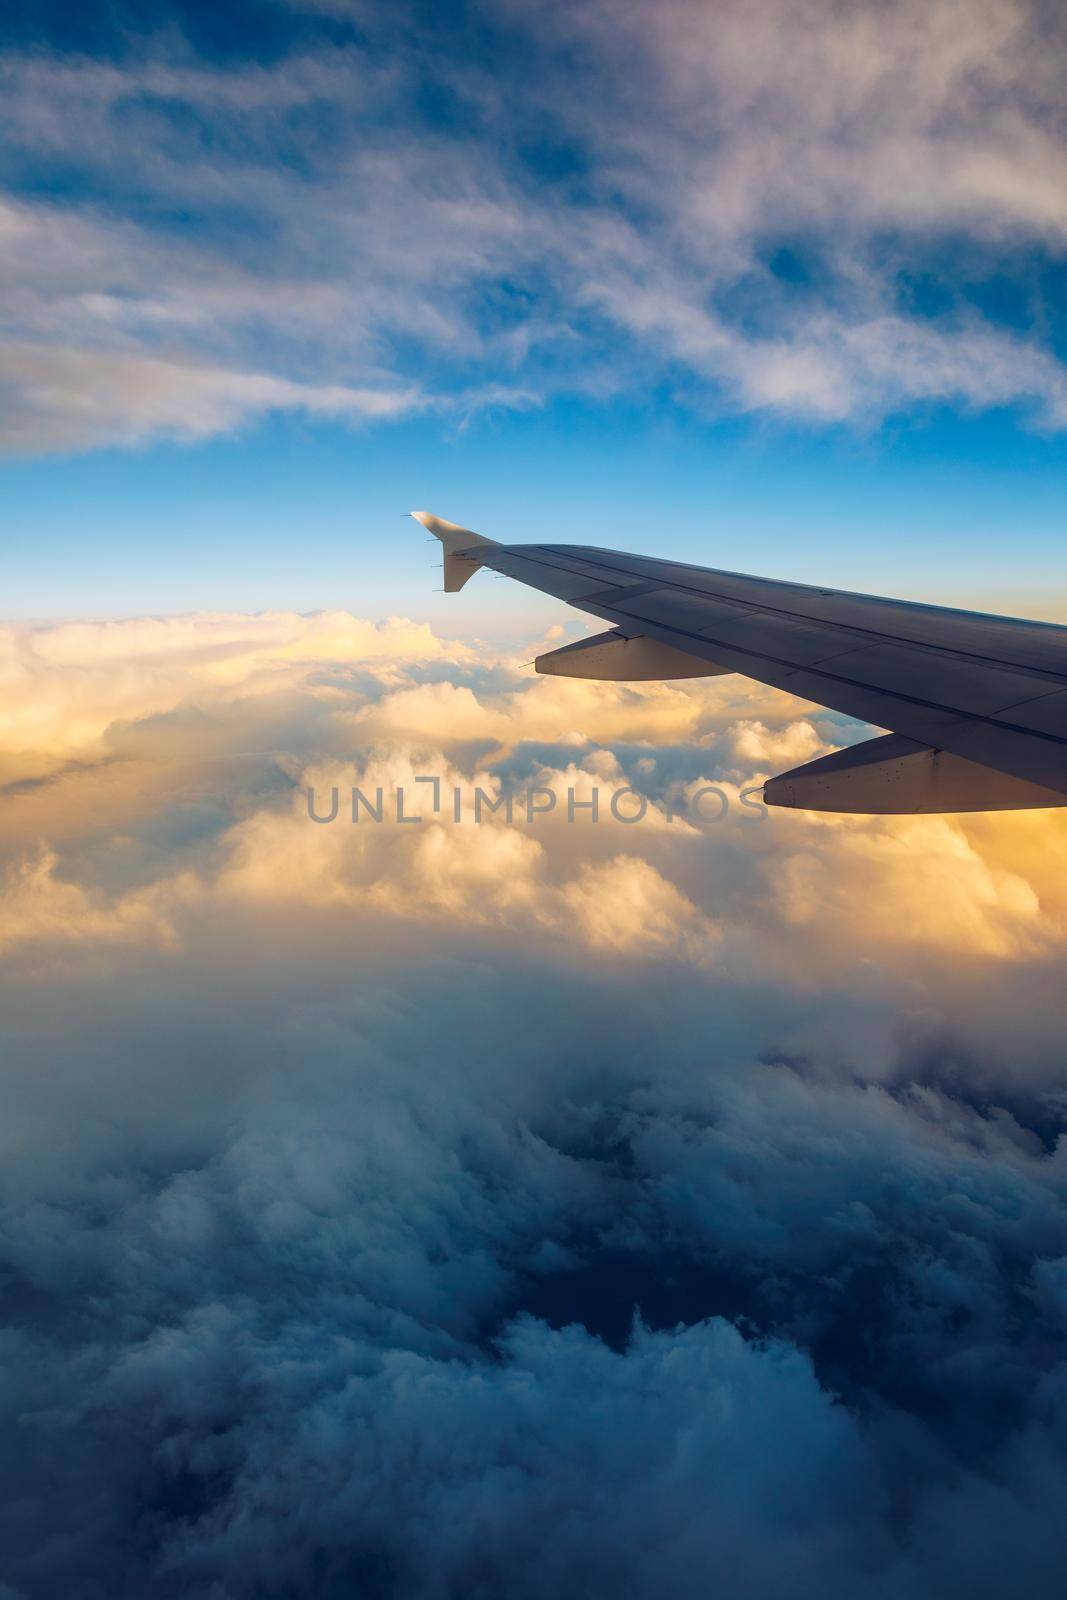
(460, 546)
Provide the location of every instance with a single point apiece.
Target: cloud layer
(425, 1210)
(814, 211)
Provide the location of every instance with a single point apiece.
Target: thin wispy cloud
(803, 211)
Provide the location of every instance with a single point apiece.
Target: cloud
(515, 1207)
(73, 399)
(39, 907)
(66, 684)
(796, 210)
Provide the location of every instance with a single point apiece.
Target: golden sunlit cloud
(213, 731)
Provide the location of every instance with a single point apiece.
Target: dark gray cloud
(321, 1280)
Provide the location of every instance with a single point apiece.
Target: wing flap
(891, 775)
(621, 658)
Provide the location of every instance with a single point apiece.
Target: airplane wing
(977, 704)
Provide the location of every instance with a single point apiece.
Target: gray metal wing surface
(977, 704)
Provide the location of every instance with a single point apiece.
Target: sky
(769, 285)
(534, 1206)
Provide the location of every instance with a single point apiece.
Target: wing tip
(461, 548)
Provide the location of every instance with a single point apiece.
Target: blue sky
(727, 283)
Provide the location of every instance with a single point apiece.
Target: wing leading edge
(977, 704)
